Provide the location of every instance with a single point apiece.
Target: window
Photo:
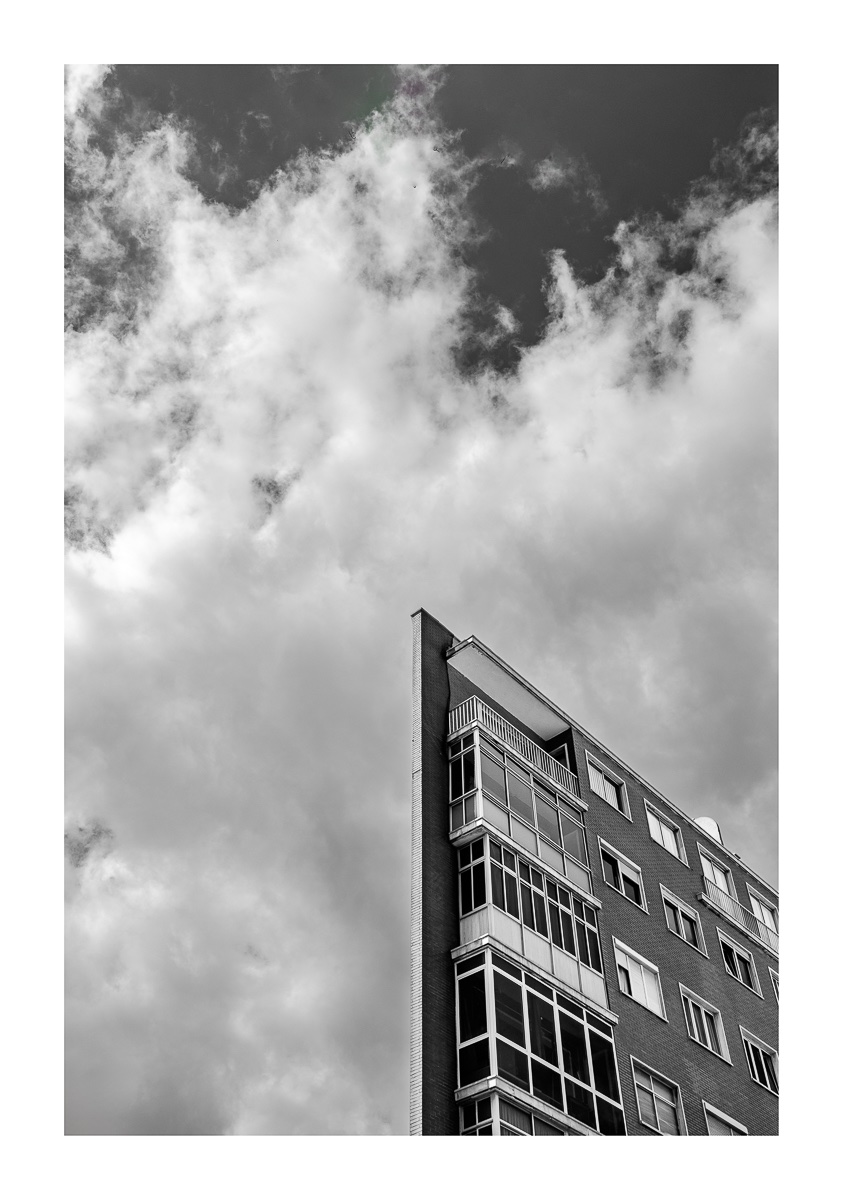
(638, 978)
(658, 1100)
(683, 921)
(704, 1023)
(739, 962)
(763, 1061)
(622, 875)
(472, 1025)
(524, 807)
(608, 786)
(472, 874)
(717, 875)
(721, 1125)
(463, 781)
(666, 833)
(766, 913)
(476, 1117)
(555, 1050)
(544, 906)
(774, 975)
(518, 1123)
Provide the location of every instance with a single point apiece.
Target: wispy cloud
(269, 435)
(561, 170)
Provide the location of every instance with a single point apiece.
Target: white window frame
(774, 908)
(742, 950)
(660, 1075)
(667, 895)
(721, 1116)
(712, 859)
(746, 1036)
(647, 966)
(659, 815)
(591, 761)
(623, 860)
(774, 976)
(695, 998)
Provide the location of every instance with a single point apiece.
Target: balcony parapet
(474, 709)
(740, 916)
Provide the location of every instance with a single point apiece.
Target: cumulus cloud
(273, 459)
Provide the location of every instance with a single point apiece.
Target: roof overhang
(492, 675)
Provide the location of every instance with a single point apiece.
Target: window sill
(641, 907)
(709, 1050)
(690, 945)
(755, 991)
(609, 804)
(646, 1007)
(675, 857)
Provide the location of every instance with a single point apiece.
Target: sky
(341, 342)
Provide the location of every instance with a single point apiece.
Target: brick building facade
(586, 959)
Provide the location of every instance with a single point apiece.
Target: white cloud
(238, 675)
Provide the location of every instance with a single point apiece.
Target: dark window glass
(567, 931)
(548, 821)
(771, 1071)
(511, 887)
(495, 851)
(580, 1103)
(603, 1062)
(456, 778)
(610, 1118)
(520, 798)
(497, 885)
(469, 1115)
(547, 1084)
(689, 927)
(465, 892)
(555, 927)
(626, 982)
(456, 815)
(466, 964)
(711, 1024)
(516, 1117)
(673, 917)
(527, 906)
(574, 838)
(509, 1010)
(610, 870)
(538, 986)
(631, 889)
(593, 948)
(484, 1109)
(542, 1031)
(469, 808)
(729, 958)
(474, 1062)
(477, 849)
(465, 856)
(506, 966)
(512, 1065)
(490, 749)
(582, 943)
(468, 771)
(493, 779)
(479, 884)
(551, 891)
(487, 1129)
(541, 917)
(746, 973)
(472, 1006)
(509, 860)
(574, 1056)
(598, 1024)
(564, 1002)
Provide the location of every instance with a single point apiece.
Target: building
(586, 959)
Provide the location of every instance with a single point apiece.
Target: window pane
(611, 1119)
(515, 1116)
(673, 917)
(493, 779)
(548, 821)
(542, 1029)
(625, 981)
(612, 792)
(520, 798)
(456, 815)
(472, 1006)
(631, 889)
(603, 1062)
(669, 840)
(527, 906)
(648, 1108)
(580, 1103)
(567, 932)
(545, 1130)
(469, 808)
(495, 851)
(468, 770)
(593, 951)
(484, 1109)
(512, 1065)
(573, 837)
(655, 827)
(478, 871)
(555, 927)
(771, 1071)
(474, 1062)
(689, 927)
(465, 892)
(547, 1084)
(574, 1056)
(668, 1120)
(539, 912)
(651, 984)
(508, 1009)
(610, 870)
(456, 778)
(511, 888)
(595, 778)
(746, 973)
(713, 1035)
(497, 885)
(578, 875)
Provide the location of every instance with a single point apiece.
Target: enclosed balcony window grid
(763, 1061)
(463, 781)
(659, 1101)
(472, 877)
(546, 907)
(609, 786)
(638, 978)
(476, 1117)
(541, 1041)
(540, 820)
(704, 1023)
(739, 963)
(474, 709)
(720, 1124)
(666, 832)
(622, 874)
(683, 921)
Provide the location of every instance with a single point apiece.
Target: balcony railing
(475, 710)
(741, 916)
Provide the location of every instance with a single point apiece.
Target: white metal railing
(742, 916)
(474, 709)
